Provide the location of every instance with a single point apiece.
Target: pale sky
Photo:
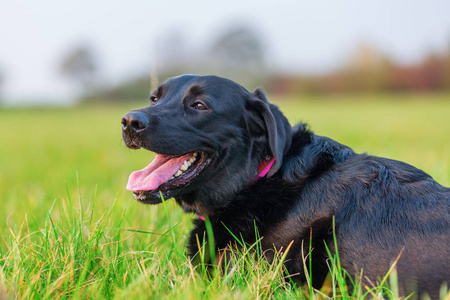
(301, 36)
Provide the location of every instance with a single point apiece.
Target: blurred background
(373, 75)
(66, 52)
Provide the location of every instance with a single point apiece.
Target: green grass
(69, 228)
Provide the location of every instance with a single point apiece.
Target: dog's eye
(153, 99)
(199, 105)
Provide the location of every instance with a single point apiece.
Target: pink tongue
(156, 173)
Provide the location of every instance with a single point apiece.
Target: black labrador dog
(227, 153)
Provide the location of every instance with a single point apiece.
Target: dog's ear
(276, 127)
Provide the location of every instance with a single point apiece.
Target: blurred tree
(173, 57)
(239, 48)
(133, 89)
(2, 79)
(172, 52)
(80, 65)
(367, 70)
(432, 71)
(238, 53)
(446, 75)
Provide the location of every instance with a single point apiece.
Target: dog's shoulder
(310, 154)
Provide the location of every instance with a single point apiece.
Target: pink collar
(263, 169)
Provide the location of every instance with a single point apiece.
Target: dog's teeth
(185, 166)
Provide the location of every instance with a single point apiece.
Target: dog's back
(383, 209)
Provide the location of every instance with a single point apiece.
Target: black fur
(381, 206)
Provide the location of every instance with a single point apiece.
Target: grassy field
(70, 230)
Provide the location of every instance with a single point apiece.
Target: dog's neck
(263, 169)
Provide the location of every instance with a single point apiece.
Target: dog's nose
(135, 121)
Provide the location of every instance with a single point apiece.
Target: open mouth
(166, 175)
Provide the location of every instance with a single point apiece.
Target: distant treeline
(368, 71)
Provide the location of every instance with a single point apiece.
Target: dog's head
(210, 136)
